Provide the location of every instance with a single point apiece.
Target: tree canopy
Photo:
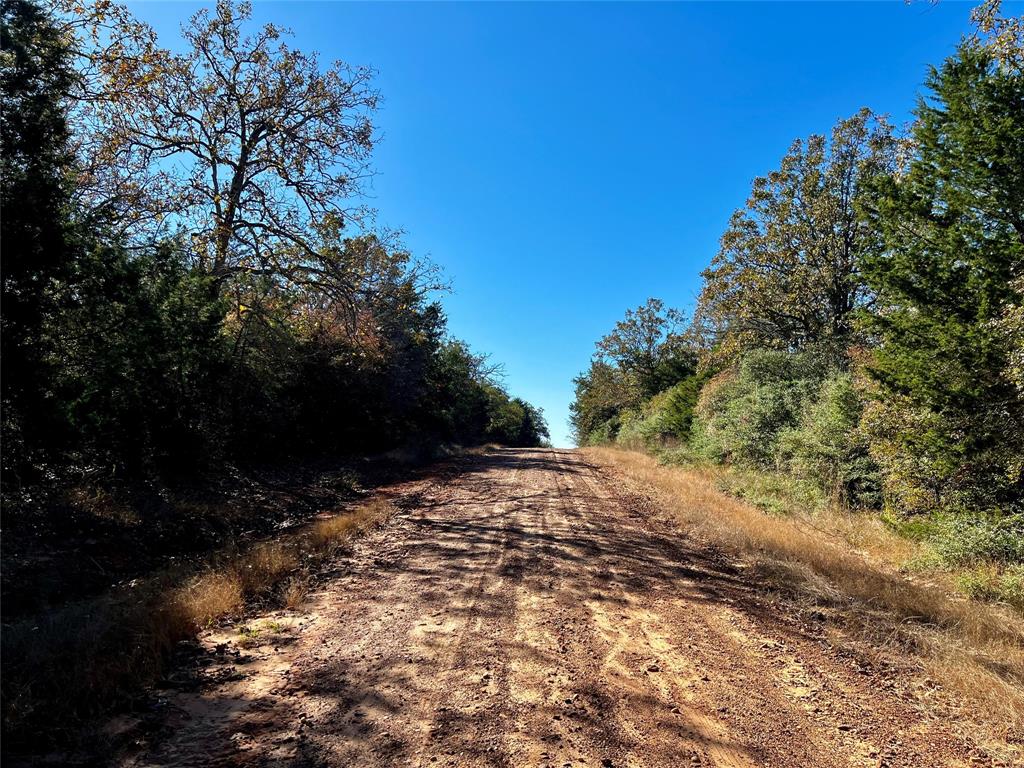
(788, 271)
(190, 272)
(953, 231)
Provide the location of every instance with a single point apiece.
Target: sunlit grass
(851, 562)
(77, 661)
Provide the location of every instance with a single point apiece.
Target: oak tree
(787, 273)
(242, 143)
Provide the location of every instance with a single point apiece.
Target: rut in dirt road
(525, 611)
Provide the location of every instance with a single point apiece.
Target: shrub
(964, 541)
(634, 430)
(828, 447)
(664, 419)
(987, 582)
(772, 492)
(604, 433)
(742, 413)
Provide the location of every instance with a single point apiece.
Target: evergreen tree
(35, 231)
(953, 225)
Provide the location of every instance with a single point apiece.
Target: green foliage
(602, 393)
(1011, 325)
(34, 227)
(743, 412)
(949, 429)
(999, 584)
(828, 448)
(642, 357)
(147, 360)
(136, 351)
(647, 349)
(787, 274)
(663, 419)
(514, 422)
(960, 540)
(773, 492)
(604, 433)
(671, 411)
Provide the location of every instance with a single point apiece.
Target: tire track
(524, 610)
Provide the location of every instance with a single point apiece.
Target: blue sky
(564, 161)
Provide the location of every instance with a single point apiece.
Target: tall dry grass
(79, 661)
(850, 561)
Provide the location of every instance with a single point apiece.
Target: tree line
(861, 325)
(191, 275)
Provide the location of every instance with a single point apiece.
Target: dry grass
(207, 598)
(77, 662)
(295, 592)
(279, 565)
(850, 561)
(328, 533)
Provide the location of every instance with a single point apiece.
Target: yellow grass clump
(224, 588)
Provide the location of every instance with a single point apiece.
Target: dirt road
(524, 610)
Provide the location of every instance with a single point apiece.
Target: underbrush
(77, 662)
(983, 557)
(81, 537)
(851, 563)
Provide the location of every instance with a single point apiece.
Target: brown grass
(208, 598)
(295, 592)
(77, 662)
(224, 589)
(850, 562)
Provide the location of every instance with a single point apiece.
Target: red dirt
(525, 611)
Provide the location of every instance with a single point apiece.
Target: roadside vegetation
(855, 353)
(82, 659)
(845, 410)
(198, 311)
(846, 571)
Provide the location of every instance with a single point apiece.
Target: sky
(563, 162)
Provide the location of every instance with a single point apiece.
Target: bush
(604, 433)
(742, 413)
(964, 541)
(664, 419)
(135, 353)
(772, 492)
(828, 448)
(634, 430)
(992, 583)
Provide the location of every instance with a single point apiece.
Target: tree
(241, 142)
(601, 395)
(646, 353)
(1002, 37)
(35, 227)
(953, 229)
(648, 345)
(513, 421)
(787, 273)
